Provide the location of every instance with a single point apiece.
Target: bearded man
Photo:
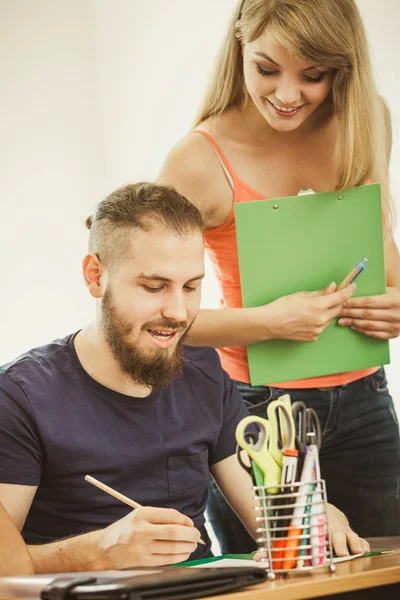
(124, 401)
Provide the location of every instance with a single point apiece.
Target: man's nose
(174, 308)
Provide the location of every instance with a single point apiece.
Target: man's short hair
(138, 206)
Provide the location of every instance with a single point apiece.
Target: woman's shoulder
(193, 168)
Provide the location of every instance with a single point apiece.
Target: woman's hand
(303, 316)
(375, 316)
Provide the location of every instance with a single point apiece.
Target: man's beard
(154, 369)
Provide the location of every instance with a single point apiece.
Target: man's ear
(93, 273)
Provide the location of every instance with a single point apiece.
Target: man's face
(149, 302)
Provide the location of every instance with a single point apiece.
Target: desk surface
(356, 574)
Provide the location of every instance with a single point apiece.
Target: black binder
(170, 583)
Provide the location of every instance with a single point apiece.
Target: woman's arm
(302, 317)
(379, 316)
(194, 170)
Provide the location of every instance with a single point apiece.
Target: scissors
(282, 428)
(306, 422)
(254, 470)
(259, 451)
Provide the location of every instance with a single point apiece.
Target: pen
(354, 273)
(118, 495)
(318, 529)
(296, 524)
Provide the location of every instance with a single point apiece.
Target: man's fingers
(162, 516)
(174, 548)
(343, 542)
(339, 543)
(177, 533)
(168, 559)
(356, 544)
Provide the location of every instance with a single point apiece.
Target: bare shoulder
(193, 168)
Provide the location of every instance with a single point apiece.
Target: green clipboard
(302, 243)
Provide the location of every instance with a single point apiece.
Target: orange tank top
(221, 246)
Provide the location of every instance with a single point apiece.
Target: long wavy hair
(328, 34)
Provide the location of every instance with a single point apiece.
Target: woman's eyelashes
(307, 78)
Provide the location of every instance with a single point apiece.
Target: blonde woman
(292, 104)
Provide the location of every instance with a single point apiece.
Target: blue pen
(354, 273)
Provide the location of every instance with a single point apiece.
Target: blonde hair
(330, 34)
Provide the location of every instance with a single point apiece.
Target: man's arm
(236, 485)
(145, 537)
(14, 556)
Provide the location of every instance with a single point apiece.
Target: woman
(292, 104)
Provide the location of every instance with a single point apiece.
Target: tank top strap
(229, 172)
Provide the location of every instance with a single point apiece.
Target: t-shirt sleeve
(234, 410)
(20, 449)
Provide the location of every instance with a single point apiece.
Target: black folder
(170, 583)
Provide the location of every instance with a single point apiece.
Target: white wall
(93, 94)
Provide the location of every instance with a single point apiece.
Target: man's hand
(148, 536)
(375, 316)
(343, 537)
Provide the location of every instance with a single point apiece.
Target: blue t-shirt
(57, 424)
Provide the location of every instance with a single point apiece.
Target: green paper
(303, 245)
(211, 559)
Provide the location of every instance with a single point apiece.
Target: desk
(371, 575)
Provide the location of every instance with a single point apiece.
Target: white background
(93, 94)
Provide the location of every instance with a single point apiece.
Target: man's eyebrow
(157, 277)
(263, 55)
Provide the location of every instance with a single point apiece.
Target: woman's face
(285, 89)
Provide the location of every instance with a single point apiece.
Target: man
(123, 401)
(14, 556)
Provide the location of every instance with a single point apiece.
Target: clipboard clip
(305, 191)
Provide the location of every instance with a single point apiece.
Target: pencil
(118, 495)
(354, 273)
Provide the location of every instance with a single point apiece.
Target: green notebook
(302, 243)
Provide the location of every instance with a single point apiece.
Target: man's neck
(96, 358)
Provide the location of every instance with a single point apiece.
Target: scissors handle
(254, 471)
(259, 452)
(282, 428)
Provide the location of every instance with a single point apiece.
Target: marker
(354, 273)
(289, 469)
(296, 525)
(318, 523)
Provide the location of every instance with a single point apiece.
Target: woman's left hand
(375, 316)
(343, 537)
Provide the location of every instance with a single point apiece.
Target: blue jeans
(360, 457)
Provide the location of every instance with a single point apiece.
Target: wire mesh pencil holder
(293, 527)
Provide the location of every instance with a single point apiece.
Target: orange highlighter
(292, 545)
(289, 470)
